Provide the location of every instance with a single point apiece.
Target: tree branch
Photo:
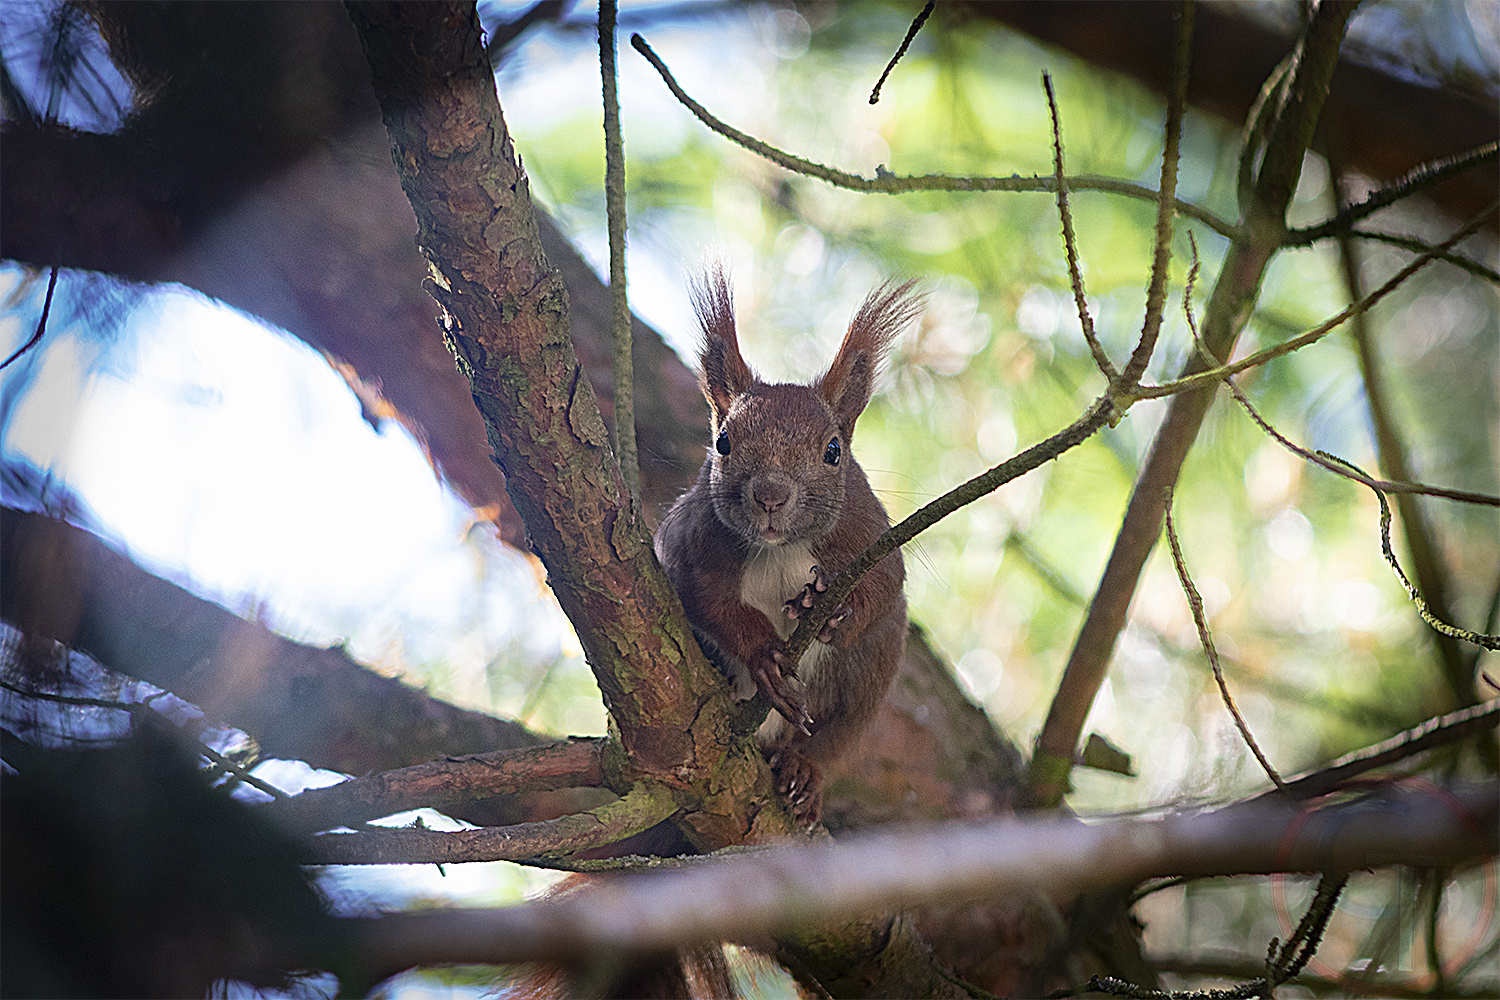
(1427, 565)
(1234, 295)
(1156, 292)
(572, 764)
(788, 891)
(642, 808)
(614, 201)
(1443, 730)
(1201, 378)
(1070, 245)
(301, 702)
(1195, 604)
(505, 318)
(811, 621)
(1428, 175)
(887, 183)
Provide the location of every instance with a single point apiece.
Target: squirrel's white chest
(774, 575)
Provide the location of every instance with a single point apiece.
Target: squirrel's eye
(832, 452)
(722, 444)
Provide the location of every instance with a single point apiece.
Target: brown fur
(768, 524)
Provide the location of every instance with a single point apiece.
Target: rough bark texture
(505, 317)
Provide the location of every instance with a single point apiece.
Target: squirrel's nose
(772, 495)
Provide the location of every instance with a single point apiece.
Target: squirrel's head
(781, 453)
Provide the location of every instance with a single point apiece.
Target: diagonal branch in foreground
(811, 621)
(789, 890)
(302, 702)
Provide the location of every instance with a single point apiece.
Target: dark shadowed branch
(301, 702)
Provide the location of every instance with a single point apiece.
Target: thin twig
(811, 622)
(1418, 246)
(1195, 603)
(1421, 178)
(1463, 496)
(889, 183)
(1477, 638)
(1318, 332)
(1262, 113)
(1156, 292)
(1309, 933)
(614, 201)
(1070, 244)
(41, 324)
(1333, 465)
(1231, 304)
(1443, 730)
(916, 26)
(146, 714)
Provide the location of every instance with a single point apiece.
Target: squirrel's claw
(772, 670)
(800, 781)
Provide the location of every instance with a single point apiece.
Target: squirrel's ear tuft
(723, 373)
(850, 378)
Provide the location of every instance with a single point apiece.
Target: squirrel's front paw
(809, 596)
(773, 670)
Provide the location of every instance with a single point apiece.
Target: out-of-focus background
(227, 455)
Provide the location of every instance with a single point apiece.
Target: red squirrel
(779, 508)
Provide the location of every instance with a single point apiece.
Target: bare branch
(1478, 638)
(1070, 245)
(911, 33)
(1195, 604)
(1443, 730)
(1432, 576)
(1334, 466)
(614, 204)
(298, 701)
(142, 712)
(41, 323)
(1230, 305)
(1156, 292)
(812, 620)
(1199, 379)
(887, 183)
(643, 807)
(1418, 246)
(787, 890)
(1426, 176)
(571, 764)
